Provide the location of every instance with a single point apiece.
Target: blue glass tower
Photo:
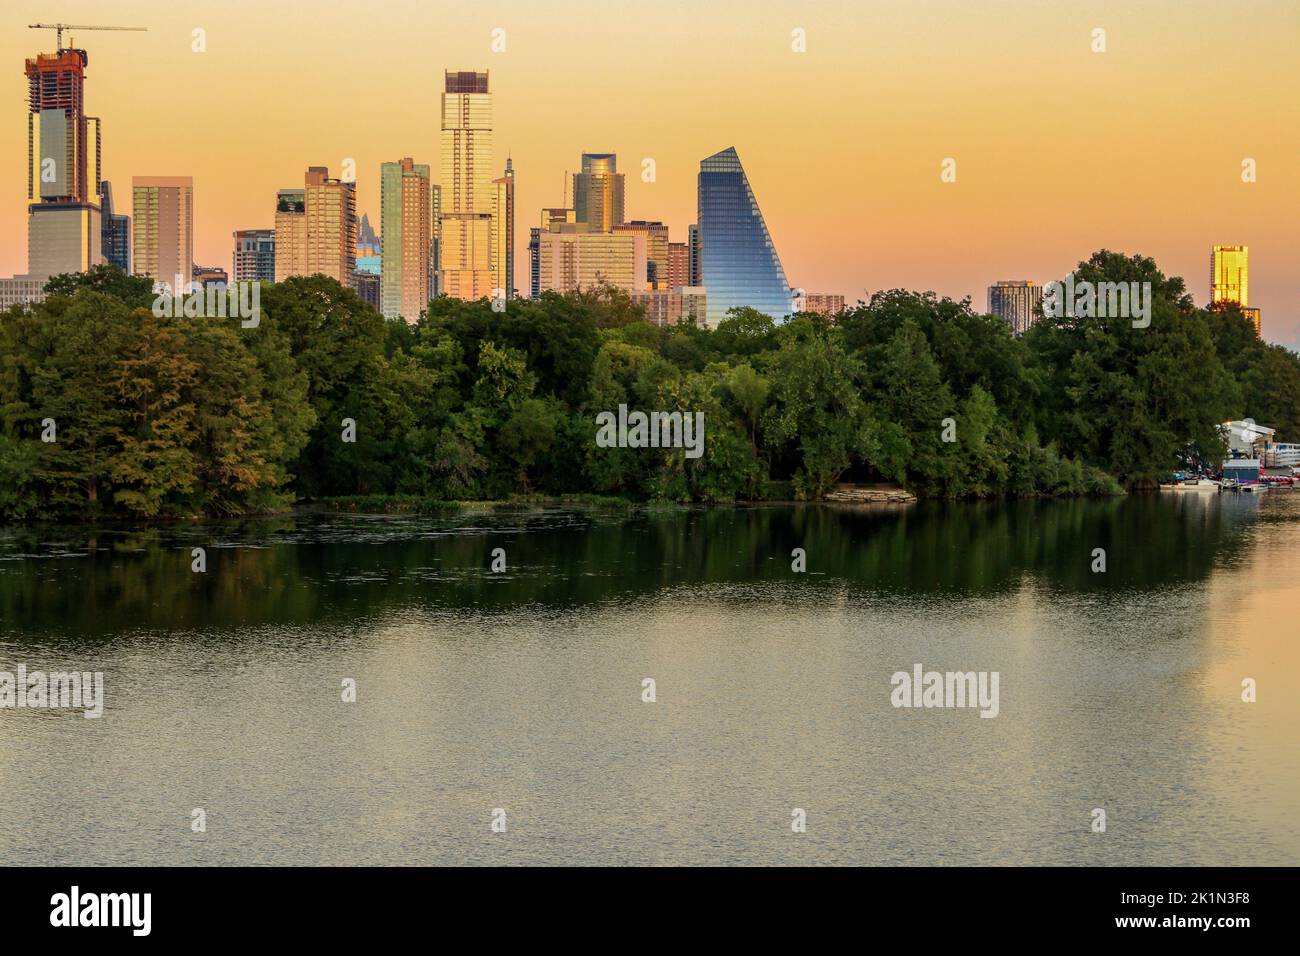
(738, 263)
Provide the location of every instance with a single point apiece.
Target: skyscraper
(254, 258)
(1230, 279)
(598, 192)
(64, 229)
(290, 233)
(331, 210)
(1016, 302)
(115, 239)
(316, 228)
(738, 263)
(467, 239)
(162, 229)
(504, 214)
(406, 231)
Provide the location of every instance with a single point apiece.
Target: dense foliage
(179, 416)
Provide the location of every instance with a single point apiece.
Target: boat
(1197, 484)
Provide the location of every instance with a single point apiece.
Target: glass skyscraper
(738, 262)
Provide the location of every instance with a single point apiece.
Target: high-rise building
(406, 227)
(331, 210)
(162, 229)
(656, 238)
(679, 264)
(1230, 279)
(1016, 302)
(570, 261)
(467, 227)
(115, 238)
(64, 228)
(290, 233)
(738, 261)
(316, 228)
(254, 258)
(504, 215)
(598, 192)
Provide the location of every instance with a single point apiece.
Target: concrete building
(331, 212)
(679, 265)
(823, 303)
(670, 306)
(656, 237)
(290, 233)
(467, 239)
(406, 239)
(162, 233)
(316, 228)
(571, 261)
(64, 224)
(254, 255)
(1016, 302)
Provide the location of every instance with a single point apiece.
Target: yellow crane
(60, 27)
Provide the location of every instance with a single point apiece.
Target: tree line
(109, 410)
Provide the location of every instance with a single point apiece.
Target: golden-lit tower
(1230, 279)
(468, 221)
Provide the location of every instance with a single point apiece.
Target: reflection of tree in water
(296, 570)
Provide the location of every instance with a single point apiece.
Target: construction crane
(60, 27)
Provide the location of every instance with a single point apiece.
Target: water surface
(522, 690)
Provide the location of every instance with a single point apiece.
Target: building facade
(738, 260)
(670, 306)
(254, 255)
(1230, 279)
(573, 261)
(656, 238)
(823, 303)
(64, 224)
(598, 192)
(330, 206)
(1017, 302)
(162, 229)
(406, 239)
(290, 233)
(467, 224)
(679, 265)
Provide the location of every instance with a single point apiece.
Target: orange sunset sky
(1060, 150)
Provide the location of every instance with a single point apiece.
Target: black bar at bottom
(971, 904)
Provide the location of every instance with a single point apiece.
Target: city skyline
(850, 190)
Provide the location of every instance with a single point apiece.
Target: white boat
(1200, 484)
